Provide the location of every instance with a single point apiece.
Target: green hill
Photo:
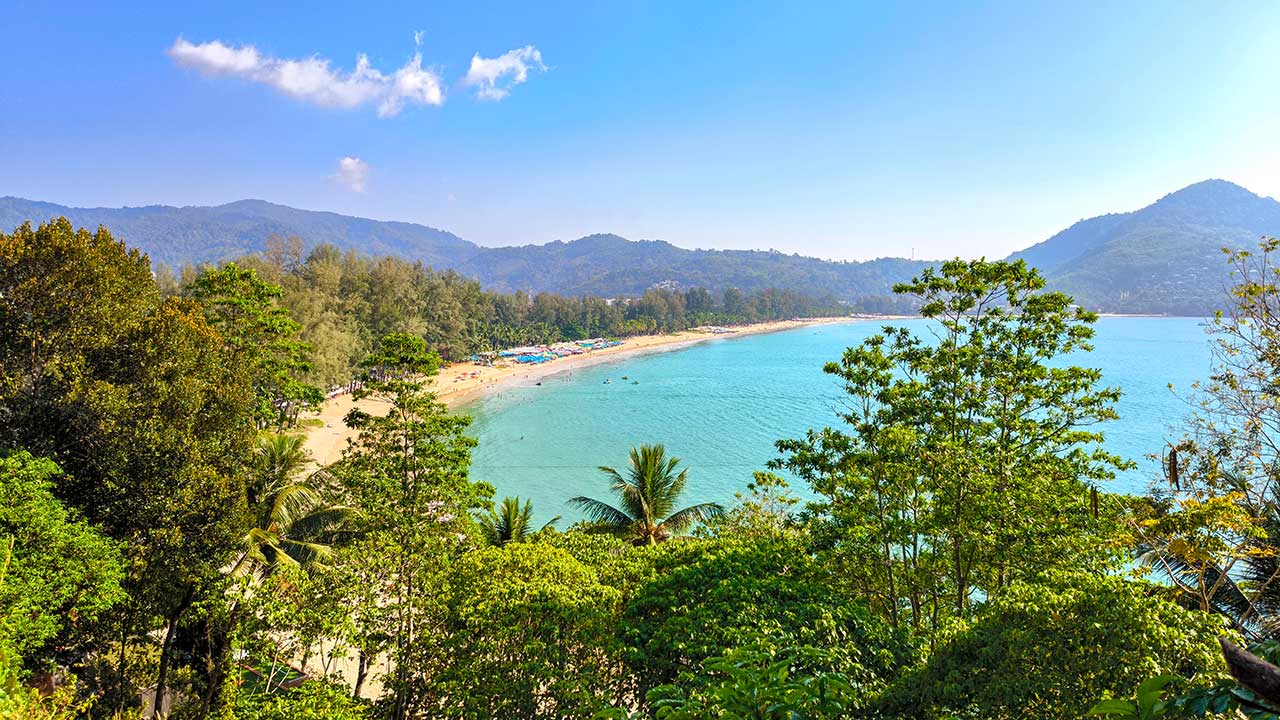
(1164, 258)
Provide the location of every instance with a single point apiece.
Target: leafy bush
(759, 684)
(313, 700)
(710, 597)
(1050, 650)
(55, 570)
(522, 631)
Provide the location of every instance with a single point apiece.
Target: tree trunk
(362, 671)
(166, 651)
(219, 646)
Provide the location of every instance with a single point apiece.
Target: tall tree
(969, 454)
(1212, 523)
(56, 571)
(407, 473)
(259, 333)
(649, 493)
(136, 398)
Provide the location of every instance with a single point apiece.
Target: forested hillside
(601, 265)
(344, 303)
(1162, 259)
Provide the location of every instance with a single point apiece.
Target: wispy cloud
(493, 78)
(353, 173)
(313, 80)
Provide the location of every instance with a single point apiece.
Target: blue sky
(839, 130)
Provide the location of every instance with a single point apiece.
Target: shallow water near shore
(720, 405)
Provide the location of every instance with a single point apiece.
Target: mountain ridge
(1164, 258)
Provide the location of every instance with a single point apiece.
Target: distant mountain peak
(1209, 191)
(1163, 258)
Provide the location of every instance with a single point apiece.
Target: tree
(136, 398)
(969, 459)
(314, 700)
(407, 473)
(752, 683)
(1211, 525)
(1050, 649)
(57, 573)
(510, 522)
(524, 631)
(649, 494)
(766, 510)
(259, 333)
(709, 597)
(293, 519)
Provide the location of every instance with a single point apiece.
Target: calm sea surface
(720, 405)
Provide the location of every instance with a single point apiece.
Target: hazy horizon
(829, 131)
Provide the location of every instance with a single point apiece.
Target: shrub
(1050, 650)
(711, 597)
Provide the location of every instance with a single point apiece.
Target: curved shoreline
(456, 385)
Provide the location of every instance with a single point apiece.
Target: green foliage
(755, 684)
(313, 700)
(346, 303)
(59, 572)
(18, 702)
(510, 522)
(137, 400)
(711, 596)
(260, 334)
(967, 460)
(1212, 527)
(293, 520)
(649, 493)
(1051, 650)
(1149, 704)
(407, 473)
(1207, 697)
(767, 509)
(617, 563)
(520, 631)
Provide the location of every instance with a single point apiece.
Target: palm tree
(649, 493)
(292, 518)
(1245, 588)
(510, 522)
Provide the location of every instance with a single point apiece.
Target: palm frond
(602, 512)
(680, 521)
(292, 503)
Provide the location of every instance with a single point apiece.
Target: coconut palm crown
(510, 522)
(292, 518)
(649, 492)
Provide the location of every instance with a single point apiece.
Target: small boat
(608, 381)
(624, 377)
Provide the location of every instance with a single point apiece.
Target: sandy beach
(460, 382)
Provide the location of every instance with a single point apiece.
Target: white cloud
(353, 173)
(493, 78)
(312, 80)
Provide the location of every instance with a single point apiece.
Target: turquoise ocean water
(719, 405)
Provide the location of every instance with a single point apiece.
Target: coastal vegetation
(311, 321)
(168, 549)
